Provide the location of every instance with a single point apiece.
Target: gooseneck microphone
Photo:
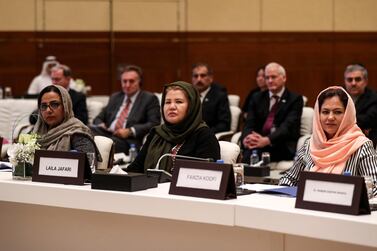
(166, 176)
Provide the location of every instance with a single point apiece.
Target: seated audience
(356, 81)
(214, 98)
(273, 121)
(62, 75)
(183, 133)
(130, 114)
(58, 128)
(261, 86)
(337, 144)
(44, 78)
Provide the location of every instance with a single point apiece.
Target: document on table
(272, 189)
(5, 166)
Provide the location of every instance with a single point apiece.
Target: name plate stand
(203, 179)
(332, 193)
(59, 167)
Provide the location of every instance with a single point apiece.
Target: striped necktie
(123, 115)
(271, 116)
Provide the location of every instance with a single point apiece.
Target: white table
(42, 216)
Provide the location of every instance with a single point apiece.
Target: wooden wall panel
(313, 60)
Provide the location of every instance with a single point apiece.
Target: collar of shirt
(132, 98)
(204, 93)
(279, 94)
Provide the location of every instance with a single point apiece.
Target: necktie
(271, 116)
(123, 115)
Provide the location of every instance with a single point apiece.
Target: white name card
(329, 192)
(332, 193)
(58, 167)
(199, 178)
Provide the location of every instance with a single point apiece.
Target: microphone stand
(165, 176)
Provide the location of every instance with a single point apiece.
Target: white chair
(234, 100)
(235, 113)
(105, 146)
(94, 108)
(229, 152)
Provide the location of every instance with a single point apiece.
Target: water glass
(369, 185)
(239, 177)
(91, 160)
(266, 159)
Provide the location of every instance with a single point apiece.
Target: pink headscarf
(330, 156)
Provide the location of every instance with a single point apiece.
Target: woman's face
(331, 115)
(52, 109)
(260, 80)
(175, 106)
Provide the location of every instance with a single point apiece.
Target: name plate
(203, 179)
(332, 193)
(59, 167)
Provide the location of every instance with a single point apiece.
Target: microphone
(165, 176)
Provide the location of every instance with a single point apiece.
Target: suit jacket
(216, 112)
(366, 114)
(145, 112)
(286, 122)
(201, 143)
(79, 105)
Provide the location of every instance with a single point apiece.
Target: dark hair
(50, 88)
(209, 69)
(134, 68)
(332, 93)
(259, 68)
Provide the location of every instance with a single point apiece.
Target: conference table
(46, 216)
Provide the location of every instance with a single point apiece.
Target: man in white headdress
(43, 79)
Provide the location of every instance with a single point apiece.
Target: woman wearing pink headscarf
(337, 144)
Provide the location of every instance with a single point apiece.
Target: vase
(22, 171)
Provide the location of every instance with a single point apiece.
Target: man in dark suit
(273, 121)
(130, 114)
(61, 75)
(215, 104)
(356, 81)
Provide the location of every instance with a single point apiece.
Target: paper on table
(272, 189)
(259, 187)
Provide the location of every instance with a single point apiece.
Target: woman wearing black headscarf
(184, 132)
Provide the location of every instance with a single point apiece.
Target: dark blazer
(79, 105)
(366, 114)
(201, 143)
(144, 115)
(216, 112)
(287, 124)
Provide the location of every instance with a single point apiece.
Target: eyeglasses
(53, 106)
(202, 75)
(357, 79)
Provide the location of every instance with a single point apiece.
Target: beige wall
(188, 15)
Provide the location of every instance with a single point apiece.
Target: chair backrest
(235, 113)
(236, 138)
(234, 100)
(94, 108)
(307, 121)
(105, 146)
(229, 152)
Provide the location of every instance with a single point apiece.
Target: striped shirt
(363, 162)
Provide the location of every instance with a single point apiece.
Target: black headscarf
(168, 135)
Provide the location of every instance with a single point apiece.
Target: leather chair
(229, 152)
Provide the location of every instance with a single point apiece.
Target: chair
(105, 146)
(229, 152)
(234, 100)
(235, 113)
(94, 108)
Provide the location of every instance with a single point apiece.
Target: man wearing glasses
(215, 104)
(365, 99)
(130, 113)
(61, 75)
